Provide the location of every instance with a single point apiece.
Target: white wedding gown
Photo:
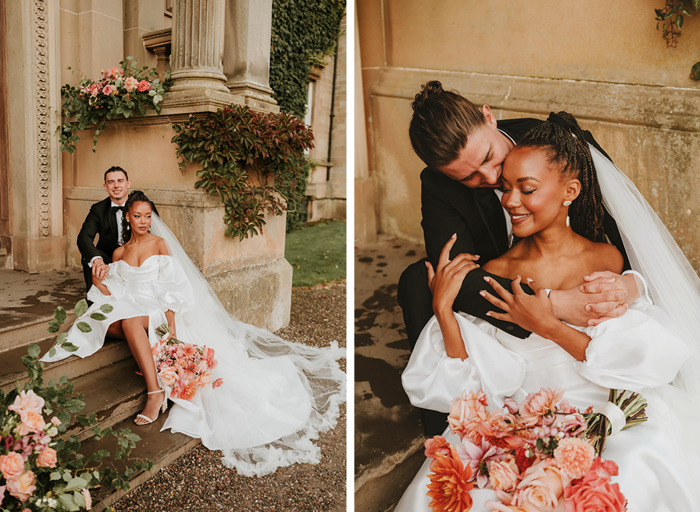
(658, 467)
(276, 395)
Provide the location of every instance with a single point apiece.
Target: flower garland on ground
(120, 93)
(40, 467)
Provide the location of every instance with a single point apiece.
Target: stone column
(197, 46)
(247, 51)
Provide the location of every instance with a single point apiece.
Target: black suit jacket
(99, 221)
(449, 207)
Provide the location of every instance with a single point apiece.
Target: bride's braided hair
(564, 141)
(135, 196)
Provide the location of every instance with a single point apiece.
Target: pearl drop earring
(567, 203)
(568, 221)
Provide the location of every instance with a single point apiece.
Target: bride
(272, 398)
(552, 194)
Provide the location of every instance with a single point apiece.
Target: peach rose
(144, 86)
(574, 457)
(11, 465)
(542, 486)
(130, 83)
(27, 401)
(539, 404)
(466, 413)
(503, 475)
(47, 458)
(31, 422)
(437, 444)
(22, 487)
(168, 378)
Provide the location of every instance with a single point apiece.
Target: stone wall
(605, 63)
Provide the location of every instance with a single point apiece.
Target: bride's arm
(116, 256)
(445, 283)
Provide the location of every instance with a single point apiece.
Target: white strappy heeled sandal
(146, 419)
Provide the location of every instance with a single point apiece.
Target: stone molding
(189, 198)
(644, 105)
(41, 76)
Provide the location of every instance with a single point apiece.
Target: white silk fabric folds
(658, 473)
(270, 407)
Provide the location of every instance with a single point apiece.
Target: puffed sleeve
(172, 286)
(114, 283)
(634, 351)
(432, 379)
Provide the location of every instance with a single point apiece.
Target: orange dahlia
(449, 486)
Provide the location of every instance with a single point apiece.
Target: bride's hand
(446, 281)
(531, 312)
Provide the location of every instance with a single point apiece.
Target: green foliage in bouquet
(237, 141)
(120, 93)
(40, 467)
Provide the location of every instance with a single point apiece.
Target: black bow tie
(116, 209)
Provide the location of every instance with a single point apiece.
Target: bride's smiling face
(139, 217)
(535, 190)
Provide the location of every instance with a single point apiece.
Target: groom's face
(480, 162)
(117, 186)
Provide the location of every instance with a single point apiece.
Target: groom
(464, 147)
(106, 219)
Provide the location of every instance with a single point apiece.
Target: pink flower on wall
(144, 86)
(108, 90)
(130, 83)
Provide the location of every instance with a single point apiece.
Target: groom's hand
(605, 295)
(100, 269)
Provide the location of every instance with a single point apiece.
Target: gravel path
(198, 481)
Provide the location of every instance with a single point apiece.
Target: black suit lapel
(112, 222)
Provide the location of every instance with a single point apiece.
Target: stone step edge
(388, 464)
(108, 354)
(27, 333)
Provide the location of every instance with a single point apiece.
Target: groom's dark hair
(441, 123)
(115, 168)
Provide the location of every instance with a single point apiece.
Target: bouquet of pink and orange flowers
(539, 455)
(183, 367)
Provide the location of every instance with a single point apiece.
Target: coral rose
(601, 496)
(31, 422)
(108, 90)
(503, 475)
(574, 457)
(27, 401)
(437, 444)
(22, 487)
(449, 484)
(539, 404)
(601, 470)
(144, 86)
(47, 458)
(11, 465)
(217, 383)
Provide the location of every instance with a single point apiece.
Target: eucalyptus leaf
(66, 500)
(81, 308)
(84, 327)
(106, 308)
(98, 316)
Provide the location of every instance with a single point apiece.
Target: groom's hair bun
(441, 124)
(565, 143)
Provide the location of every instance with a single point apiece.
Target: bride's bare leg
(136, 333)
(115, 330)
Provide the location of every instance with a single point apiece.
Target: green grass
(317, 253)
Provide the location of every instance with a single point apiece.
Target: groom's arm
(86, 237)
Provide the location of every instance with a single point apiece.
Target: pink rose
(27, 401)
(539, 404)
(217, 383)
(22, 487)
(130, 83)
(11, 465)
(31, 422)
(574, 456)
(88, 499)
(108, 90)
(47, 458)
(503, 475)
(144, 86)
(55, 421)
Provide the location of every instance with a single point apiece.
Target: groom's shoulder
(101, 205)
(518, 127)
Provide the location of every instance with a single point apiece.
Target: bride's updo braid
(441, 123)
(566, 145)
(135, 196)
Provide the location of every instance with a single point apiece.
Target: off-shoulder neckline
(143, 262)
